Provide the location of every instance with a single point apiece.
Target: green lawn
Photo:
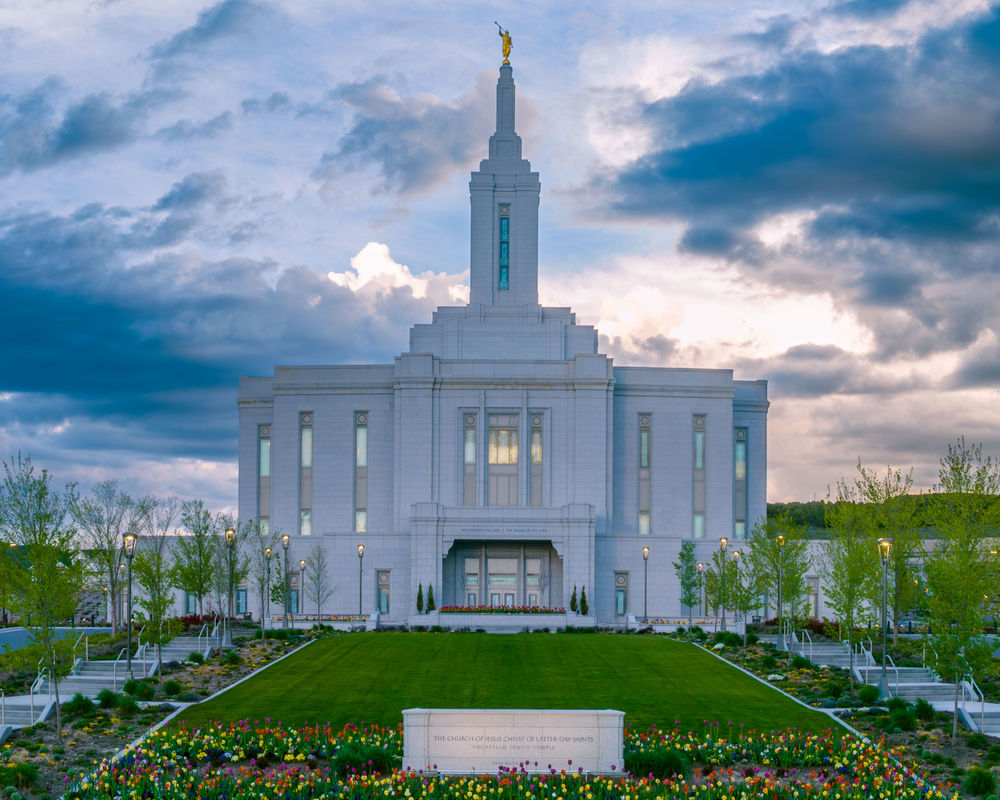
(371, 678)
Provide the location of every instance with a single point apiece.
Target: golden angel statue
(505, 35)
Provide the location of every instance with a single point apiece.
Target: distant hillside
(812, 514)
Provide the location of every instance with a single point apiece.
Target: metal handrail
(3, 707)
(114, 671)
(970, 683)
(200, 634)
(895, 669)
(86, 645)
(810, 638)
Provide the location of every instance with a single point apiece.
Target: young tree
(720, 580)
(778, 548)
(686, 567)
(893, 514)
(965, 509)
(229, 562)
(45, 571)
(420, 598)
(851, 568)
(103, 518)
(318, 584)
(430, 598)
(194, 552)
(152, 570)
(261, 542)
(584, 606)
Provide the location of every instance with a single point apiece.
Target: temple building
(502, 458)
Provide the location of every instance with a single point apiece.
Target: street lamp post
(723, 542)
(884, 546)
(285, 588)
(701, 593)
(781, 565)
(361, 572)
(645, 585)
(736, 579)
(266, 599)
(230, 542)
(129, 540)
(302, 586)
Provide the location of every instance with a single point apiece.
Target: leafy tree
(721, 579)
(194, 552)
(851, 568)
(420, 598)
(260, 540)
(228, 560)
(152, 570)
(318, 584)
(891, 513)
(960, 573)
(103, 518)
(45, 571)
(770, 558)
(686, 567)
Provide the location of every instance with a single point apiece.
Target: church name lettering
(505, 531)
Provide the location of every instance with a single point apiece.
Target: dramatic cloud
(416, 141)
(228, 18)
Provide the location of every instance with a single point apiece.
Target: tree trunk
(954, 719)
(851, 672)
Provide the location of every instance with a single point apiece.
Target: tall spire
(504, 195)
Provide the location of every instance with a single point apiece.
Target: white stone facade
(501, 454)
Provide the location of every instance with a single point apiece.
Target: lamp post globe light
(781, 564)
(230, 543)
(302, 586)
(884, 546)
(723, 542)
(284, 544)
(645, 585)
(128, 545)
(267, 592)
(361, 562)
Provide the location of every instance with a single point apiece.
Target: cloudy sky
(807, 192)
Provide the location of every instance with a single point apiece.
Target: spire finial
(505, 35)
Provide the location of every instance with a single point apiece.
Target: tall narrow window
(698, 522)
(740, 484)
(469, 461)
(536, 460)
(472, 581)
(305, 472)
(503, 281)
(645, 492)
(621, 593)
(264, 472)
(502, 460)
(361, 471)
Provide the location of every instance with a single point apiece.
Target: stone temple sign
(453, 741)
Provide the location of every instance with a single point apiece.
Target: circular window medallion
(536, 420)
(741, 435)
(307, 419)
(620, 580)
(643, 420)
(362, 419)
(383, 577)
(470, 420)
(265, 431)
(699, 422)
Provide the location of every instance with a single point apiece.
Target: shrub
(800, 662)
(924, 710)
(20, 774)
(131, 686)
(127, 706)
(584, 606)
(868, 694)
(431, 605)
(367, 758)
(660, 763)
(573, 603)
(232, 658)
(769, 661)
(904, 719)
(680, 629)
(198, 658)
(145, 691)
(171, 688)
(977, 740)
(896, 703)
(732, 639)
(752, 638)
(79, 705)
(107, 699)
(979, 781)
(420, 598)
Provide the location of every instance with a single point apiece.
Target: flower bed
(501, 610)
(250, 761)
